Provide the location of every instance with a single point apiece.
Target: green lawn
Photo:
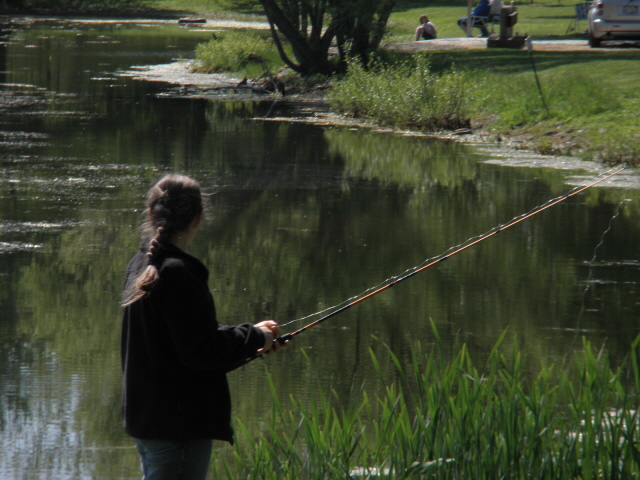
(591, 97)
(540, 21)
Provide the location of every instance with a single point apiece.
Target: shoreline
(506, 150)
(224, 87)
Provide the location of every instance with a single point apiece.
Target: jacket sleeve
(482, 10)
(188, 310)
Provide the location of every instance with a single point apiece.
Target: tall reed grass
(448, 419)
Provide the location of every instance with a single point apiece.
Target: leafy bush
(406, 95)
(230, 51)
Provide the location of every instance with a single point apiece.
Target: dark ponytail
(172, 204)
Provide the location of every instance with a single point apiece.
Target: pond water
(303, 218)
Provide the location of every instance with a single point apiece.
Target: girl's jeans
(168, 460)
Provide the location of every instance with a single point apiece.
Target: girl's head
(172, 205)
(423, 19)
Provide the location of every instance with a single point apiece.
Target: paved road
(473, 43)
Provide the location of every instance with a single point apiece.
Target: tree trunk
(364, 24)
(358, 24)
(311, 51)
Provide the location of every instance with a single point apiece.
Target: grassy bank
(580, 108)
(444, 418)
(586, 104)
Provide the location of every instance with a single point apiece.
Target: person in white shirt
(426, 30)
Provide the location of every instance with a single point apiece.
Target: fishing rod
(288, 336)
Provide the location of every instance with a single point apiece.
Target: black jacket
(175, 355)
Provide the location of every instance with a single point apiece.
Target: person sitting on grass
(426, 30)
(482, 10)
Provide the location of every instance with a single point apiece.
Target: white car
(613, 20)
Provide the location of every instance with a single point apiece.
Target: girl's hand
(271, 332)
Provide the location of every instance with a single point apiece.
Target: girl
(174, 354)
(426, 30)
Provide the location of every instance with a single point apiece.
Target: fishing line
(443, 256)
(535, 72)
(425, 265)
(589, 279)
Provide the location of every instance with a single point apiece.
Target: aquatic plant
(446, 418)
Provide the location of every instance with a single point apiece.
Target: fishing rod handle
(284, 338)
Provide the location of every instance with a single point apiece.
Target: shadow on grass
(512, 61)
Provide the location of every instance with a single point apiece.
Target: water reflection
(5, 34)
(303, 217)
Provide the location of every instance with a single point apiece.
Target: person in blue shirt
(482, 10)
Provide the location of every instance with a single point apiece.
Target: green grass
(404, 95)
(229, 51)
(593, 107)
(443, 418)
(539, 21)
(589, 112)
